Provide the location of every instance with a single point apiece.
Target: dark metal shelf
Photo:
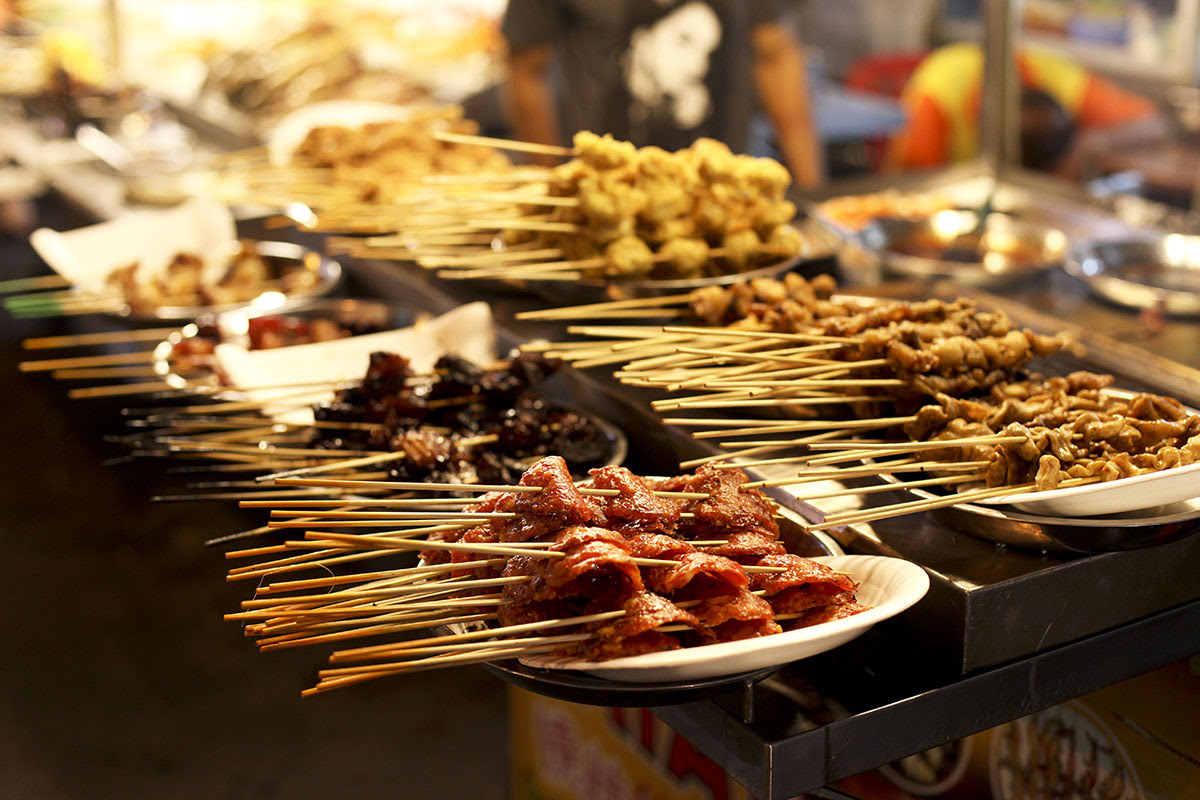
(890, 722)
(878, 698)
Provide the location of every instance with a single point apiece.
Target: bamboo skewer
(85, 339)
(578, 311)
(503, 144)
(118, 389)
(902, 509)
(431, 486)
(137, 357)
(34, 283)
(91, 373)
(908, 465)
(892, 487)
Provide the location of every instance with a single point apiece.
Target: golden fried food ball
(764, 214)
(714, 159)
(741, 247)
(604, 152)
(764, 176)
(666, 200)
(783, 242)
(627, 257)
(684, 227)
(603, 199)
(601, 233)
(687, 256)
(654, 163)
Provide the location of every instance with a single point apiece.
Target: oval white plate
(887, 585)
(290, 131)
(1151, 490)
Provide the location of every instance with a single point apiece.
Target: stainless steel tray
(1065, 534)
(328, 273)
(1007, 248)
(1161, 271)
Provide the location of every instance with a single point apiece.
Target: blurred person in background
(1068, 114)
(660, 72)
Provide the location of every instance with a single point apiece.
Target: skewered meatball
(628, 256)
(688, 256)
(741, 247)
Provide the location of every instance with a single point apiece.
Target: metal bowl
(233, 326)
(283, 256)
(1158, 271)
(952, 244)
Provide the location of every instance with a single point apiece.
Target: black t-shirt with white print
(660, 72)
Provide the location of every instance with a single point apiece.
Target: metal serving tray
(988, 603)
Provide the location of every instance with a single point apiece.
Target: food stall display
(615, 438)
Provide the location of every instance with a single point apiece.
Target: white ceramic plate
(1123, 496)
(887, 585)
(291, 129)
(85, 256)
(1152, 490)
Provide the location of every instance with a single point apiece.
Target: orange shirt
(942, 100)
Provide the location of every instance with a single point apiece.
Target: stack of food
(1061, 428)
(387, 159)
(600, 538)
(615, 211)
(426, 417)
(184, 282)
(552, 571)
(698, 211)
(944, 386)
(854, 212)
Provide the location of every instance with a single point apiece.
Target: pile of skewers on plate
(943, 387)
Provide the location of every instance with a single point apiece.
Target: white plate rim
(705, 660)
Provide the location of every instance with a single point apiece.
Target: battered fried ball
(651, 211)
(688, 256)
(740, 247)
(628, 256)
(603, 152)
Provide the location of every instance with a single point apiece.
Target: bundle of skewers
(187, 281)
(366, 178)
(459, 422)
(612, 211)
(542, 569)
(937, 389)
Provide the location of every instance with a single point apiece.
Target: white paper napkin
(466, 331)
(86, 256)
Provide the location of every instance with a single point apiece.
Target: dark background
(120, 678)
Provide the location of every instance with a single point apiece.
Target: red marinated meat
(596, 569)
(559, 505)
(827, 613)
(636, 509)
(634, 633)
(697, 575)
(592, 568)
(658, 545)
(747, 547)
(479, 535)
(737, 615)
(432, 556)
(805, 584)
(728, 507)
(799, 571)
(569, 538)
